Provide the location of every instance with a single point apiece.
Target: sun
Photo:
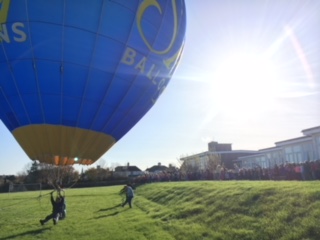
(246, 81)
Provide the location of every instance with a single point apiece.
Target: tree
(61, 175)
(33, 175)
(69, 175)
(21, 177)
(213, 161)
(188, 169)
(172, 168)
(92, 174)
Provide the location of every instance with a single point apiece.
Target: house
(127, 171)
(157, 168)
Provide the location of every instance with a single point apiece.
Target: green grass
(178, 210)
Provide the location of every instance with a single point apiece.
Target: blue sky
(249, 75)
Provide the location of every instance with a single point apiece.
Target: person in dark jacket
(129, 195)
(58, 207)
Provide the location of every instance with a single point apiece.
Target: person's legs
(46, 219)
(56, 218)
(130, 201)
(125, 202)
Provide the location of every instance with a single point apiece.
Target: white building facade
(218, 152)
(297, 150)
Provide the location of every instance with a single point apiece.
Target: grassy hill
(177, 210)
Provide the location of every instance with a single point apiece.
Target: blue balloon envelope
(77, 75)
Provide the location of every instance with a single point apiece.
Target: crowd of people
(288, 171)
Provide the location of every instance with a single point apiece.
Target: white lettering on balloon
(142, 64)
(13, 32)
(159, 74)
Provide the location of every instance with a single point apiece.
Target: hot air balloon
(77, 75)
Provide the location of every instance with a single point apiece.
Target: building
(221, 151)
(296, 150)
(127, 171)
(157, 168)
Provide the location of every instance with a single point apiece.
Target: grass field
(177, 210)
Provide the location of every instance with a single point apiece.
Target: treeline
(50, 176)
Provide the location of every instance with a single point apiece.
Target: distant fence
(5, 188)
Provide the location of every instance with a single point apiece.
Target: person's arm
(123, 190)
(51, 198)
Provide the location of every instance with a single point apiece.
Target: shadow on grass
(108, 215)
(110, 208)
(32, 233)
(111, 214)
(86, 195)
(92, 195)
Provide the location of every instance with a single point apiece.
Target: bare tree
(92, 174)
(61, 175)
(214, 160)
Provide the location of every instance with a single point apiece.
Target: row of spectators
(289, 171)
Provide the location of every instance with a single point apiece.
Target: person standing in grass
(58, 206)
(129, 195)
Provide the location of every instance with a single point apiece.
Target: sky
(249, 75)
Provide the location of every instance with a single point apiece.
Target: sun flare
(247, 81)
